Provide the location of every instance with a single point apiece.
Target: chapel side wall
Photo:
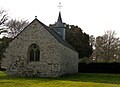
(69, 60)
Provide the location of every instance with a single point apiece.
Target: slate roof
(57, 36)
(59, 23)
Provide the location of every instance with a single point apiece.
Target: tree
(78, 39)
(3, 19)
(99, 46)
(4, 42)
(15, 26)
(11, 27)
(107, 46)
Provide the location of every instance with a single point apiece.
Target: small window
(34, 53)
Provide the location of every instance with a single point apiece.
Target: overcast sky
(93, 16)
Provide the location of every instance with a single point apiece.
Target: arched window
(34, 53)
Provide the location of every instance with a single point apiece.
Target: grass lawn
(80, 80)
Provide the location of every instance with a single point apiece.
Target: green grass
(80, 80)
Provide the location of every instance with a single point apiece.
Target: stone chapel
(39, 51)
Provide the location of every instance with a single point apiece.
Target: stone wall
(55, 58)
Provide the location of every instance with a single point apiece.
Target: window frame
(36, 53)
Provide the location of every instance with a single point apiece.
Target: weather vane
(59, 6)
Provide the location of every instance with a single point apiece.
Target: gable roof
(52, 32)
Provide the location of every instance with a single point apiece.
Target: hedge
(99, 68)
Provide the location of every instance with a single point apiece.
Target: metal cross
(59, 5)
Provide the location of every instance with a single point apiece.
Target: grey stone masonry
(56, 59)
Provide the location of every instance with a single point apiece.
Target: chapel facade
(39, 51)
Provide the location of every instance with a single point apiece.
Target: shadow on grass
(94, 77)
(81, 77)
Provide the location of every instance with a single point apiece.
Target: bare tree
(15, 26)
(3, 19)
(107, 46)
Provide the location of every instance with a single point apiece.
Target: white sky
(93, 16)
